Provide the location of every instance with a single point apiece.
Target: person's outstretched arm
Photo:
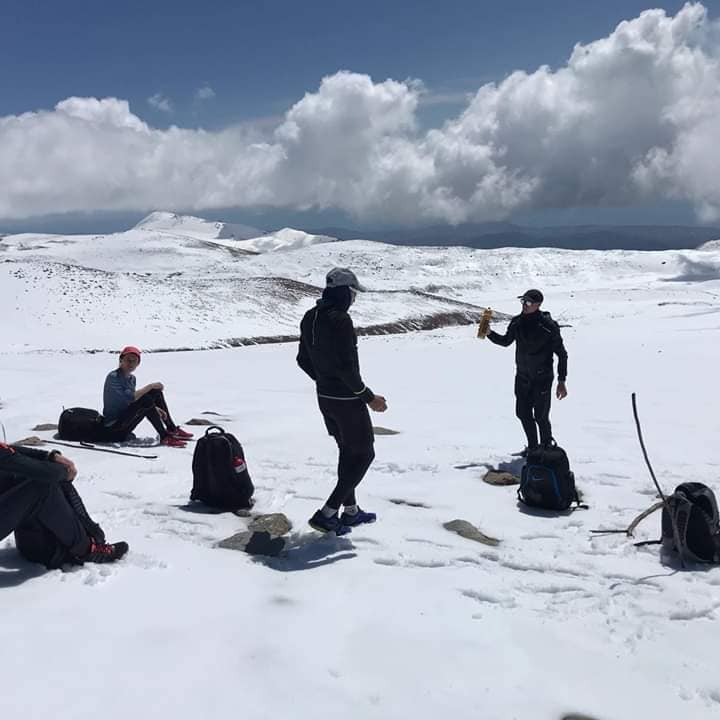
(52, 456)
(504, 340)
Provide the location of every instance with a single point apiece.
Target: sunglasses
(527, 302)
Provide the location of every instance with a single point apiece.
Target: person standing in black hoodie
(537, 338)
(328, 354)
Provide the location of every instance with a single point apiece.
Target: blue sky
(256, 59)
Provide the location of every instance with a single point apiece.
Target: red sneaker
(172, 441)
(182, 434)
(104, 552)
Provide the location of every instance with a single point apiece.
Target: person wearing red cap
(537, 338)
(125, 407)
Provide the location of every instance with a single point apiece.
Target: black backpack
(220, 475)
(694, 510)
(79, 424)
(37, 544)
(546, 480)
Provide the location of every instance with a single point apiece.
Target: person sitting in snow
(328, 354)
(537, 338)
(125, 407)
(39, 502)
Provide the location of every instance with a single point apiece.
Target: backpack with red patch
(220, 475)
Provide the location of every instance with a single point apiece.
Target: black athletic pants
(32, 489)
(532, 406)
(134, 414)
(348, 421)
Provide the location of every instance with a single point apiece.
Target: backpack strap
(631, 527)
(578, 504)
(220, 431)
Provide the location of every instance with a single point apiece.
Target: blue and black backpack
(546, 480)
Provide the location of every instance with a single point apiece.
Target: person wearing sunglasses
(537, 339)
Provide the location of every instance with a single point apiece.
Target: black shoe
(359, 518)
(324, 524)
(104, 552)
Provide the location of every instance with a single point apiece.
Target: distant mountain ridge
(189, 225)
(573, 237)
(173, 283)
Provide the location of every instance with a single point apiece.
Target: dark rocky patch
(410, 503)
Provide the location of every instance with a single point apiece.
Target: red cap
(130, 350)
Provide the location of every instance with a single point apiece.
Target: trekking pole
(676, 534)
(89, 446)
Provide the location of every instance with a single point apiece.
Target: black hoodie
(537, 337)
(328, 348)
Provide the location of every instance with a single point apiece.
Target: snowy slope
(160, 289)
(285, 239)
(401, 619)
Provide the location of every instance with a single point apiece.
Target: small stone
(199, 421)
(30, 441)
(45, 426)
(378, 430)
(497, 477)
(468, 530)
(254, 543)
(276, 524)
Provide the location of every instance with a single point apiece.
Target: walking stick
(676, 534)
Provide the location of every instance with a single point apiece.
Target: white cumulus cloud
(628, 118)
(204, 93)
(160, 102)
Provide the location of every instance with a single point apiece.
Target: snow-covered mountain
(285, 239)
(172, 282)
(191, 226)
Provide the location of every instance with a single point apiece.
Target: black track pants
(134, 414)
(532, 407)
(32, 489)
(348, 421)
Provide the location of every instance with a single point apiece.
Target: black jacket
(328, 352)
(7, 450)
(536, 337)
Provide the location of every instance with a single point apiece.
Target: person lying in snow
(328, 354)
(39, 503)
(125, 407)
